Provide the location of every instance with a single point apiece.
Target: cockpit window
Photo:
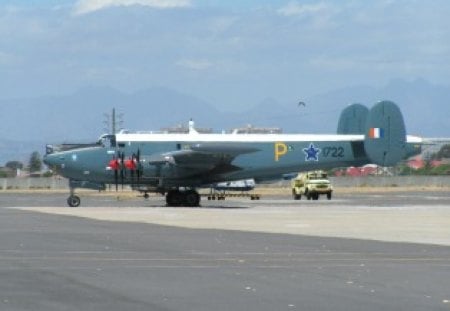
(108, 140)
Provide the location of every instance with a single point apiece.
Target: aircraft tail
(385, 141)
(353, 120)
(385, 135)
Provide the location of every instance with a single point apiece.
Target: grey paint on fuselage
(166, 163)
(270, 161)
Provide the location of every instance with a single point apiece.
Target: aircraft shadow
(202, 206)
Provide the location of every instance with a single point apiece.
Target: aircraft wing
(214, 157)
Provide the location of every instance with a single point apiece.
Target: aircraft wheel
(73, 201)
(192, 198)
(174, 198)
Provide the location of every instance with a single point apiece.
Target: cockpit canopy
(107, 140)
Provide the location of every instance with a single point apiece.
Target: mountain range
(28, 123)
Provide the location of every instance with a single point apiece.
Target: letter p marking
(280, 150)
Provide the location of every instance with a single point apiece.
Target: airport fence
(33, 183)
(392, 181)
(381, 181)
(58, 183)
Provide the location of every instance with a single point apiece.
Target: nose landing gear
(73, 200)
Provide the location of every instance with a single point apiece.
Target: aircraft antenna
(113, 122)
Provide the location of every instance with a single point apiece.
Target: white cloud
(335, 63)
(88, 6)
(222, 23)
(295, 8)
(194, 64)
(7, 59)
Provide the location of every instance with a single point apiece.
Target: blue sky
(230, 53)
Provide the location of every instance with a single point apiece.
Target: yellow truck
(311, 185)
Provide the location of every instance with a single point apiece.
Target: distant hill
(425, 107)
(26, 124)
(80, 116)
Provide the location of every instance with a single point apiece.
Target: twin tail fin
(383, 129)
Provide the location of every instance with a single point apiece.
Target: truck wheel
(329, 195)
(306, 194)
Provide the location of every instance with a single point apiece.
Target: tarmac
(359, 251)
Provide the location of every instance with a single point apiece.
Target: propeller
(132, 164)
(122, 171)
(114, 164)
(139, 166)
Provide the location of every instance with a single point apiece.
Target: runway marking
(237, 259)
(318, 253)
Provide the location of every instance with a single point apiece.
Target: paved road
(91, 199)
(54, 262)
(417, 217)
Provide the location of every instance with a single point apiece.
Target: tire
(296, 196)
(174, 198)
(73, 201)
(192, 198)
(308, 195)
(329, 195)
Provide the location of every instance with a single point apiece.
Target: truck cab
(311, 185)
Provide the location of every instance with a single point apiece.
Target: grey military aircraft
(176, 165)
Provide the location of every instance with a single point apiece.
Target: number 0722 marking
(334, 152)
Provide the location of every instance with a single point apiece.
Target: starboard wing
(216, 158)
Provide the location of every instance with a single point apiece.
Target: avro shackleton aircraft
(177, 164)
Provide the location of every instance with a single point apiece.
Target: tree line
(35, 164)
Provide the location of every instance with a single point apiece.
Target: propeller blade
(122, 176)
(139, 166)
(116, 179)
(114, 165)
(132, 167)
(132, 177)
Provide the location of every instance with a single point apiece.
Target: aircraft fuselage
(273, 156)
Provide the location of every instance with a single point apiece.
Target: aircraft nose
(53, 161)
(48, 160)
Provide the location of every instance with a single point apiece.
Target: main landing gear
(183, 198)
(174, 197)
